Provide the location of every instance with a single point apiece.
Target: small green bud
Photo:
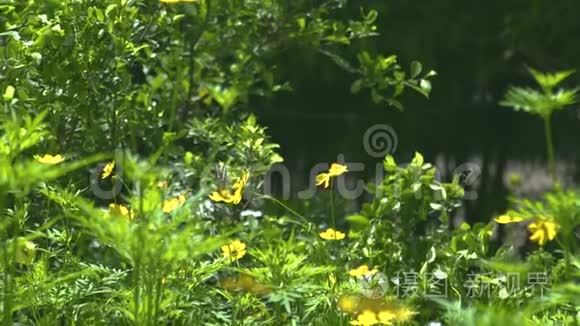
(25, 251)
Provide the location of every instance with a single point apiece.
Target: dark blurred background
(479, 49)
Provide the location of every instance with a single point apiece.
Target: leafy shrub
(131, 175)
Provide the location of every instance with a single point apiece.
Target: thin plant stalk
(550, 146)
(332, 207)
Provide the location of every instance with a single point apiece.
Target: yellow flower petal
(49, 159)
(120, 210)
(242, 181)
(551, 230)
(223, 195)
(366, 318)
(108, 170)
(362, 270)
(334, 171)
(507, 219)
(323, 179)
(539, 237)
(337, 169)
(386, 316)
(237, 196)
(173, 203)
(233, 195)
(348, 303)
(542, 231)
(332, 234)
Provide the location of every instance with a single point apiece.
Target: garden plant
(133, 174)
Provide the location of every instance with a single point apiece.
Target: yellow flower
(404, 315)
(334, 171)
(362, 270)
(49, 159)
(173, 203)
(543, 230)
(108, 169)
(348, 303)
(120, 210)
(235, 250)
(332, 234)
(233, 195)
(507, 219)
(366, 318)
(386, 316)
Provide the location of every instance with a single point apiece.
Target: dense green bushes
(131, 174)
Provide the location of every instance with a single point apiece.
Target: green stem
(567, 254)
(332, 207)
(284, 206)
(304, 223)
(7, 320)
(550, 147)
(7, 295)
(137, 268)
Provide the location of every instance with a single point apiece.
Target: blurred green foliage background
(478, 49)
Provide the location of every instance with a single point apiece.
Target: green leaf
(376, 97)
(356, 86)
(358, 220)
(425, 86)
(416, 68)
(550, 80)
(398, 105)
(418, 160)
(431, 73)
(535, 102)
(301, 23)
(416, 186)
(390, 164)
(506, 267)
(225, 97)
(436, 206)
(276, 158)
(9, 93)
(431, 255)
